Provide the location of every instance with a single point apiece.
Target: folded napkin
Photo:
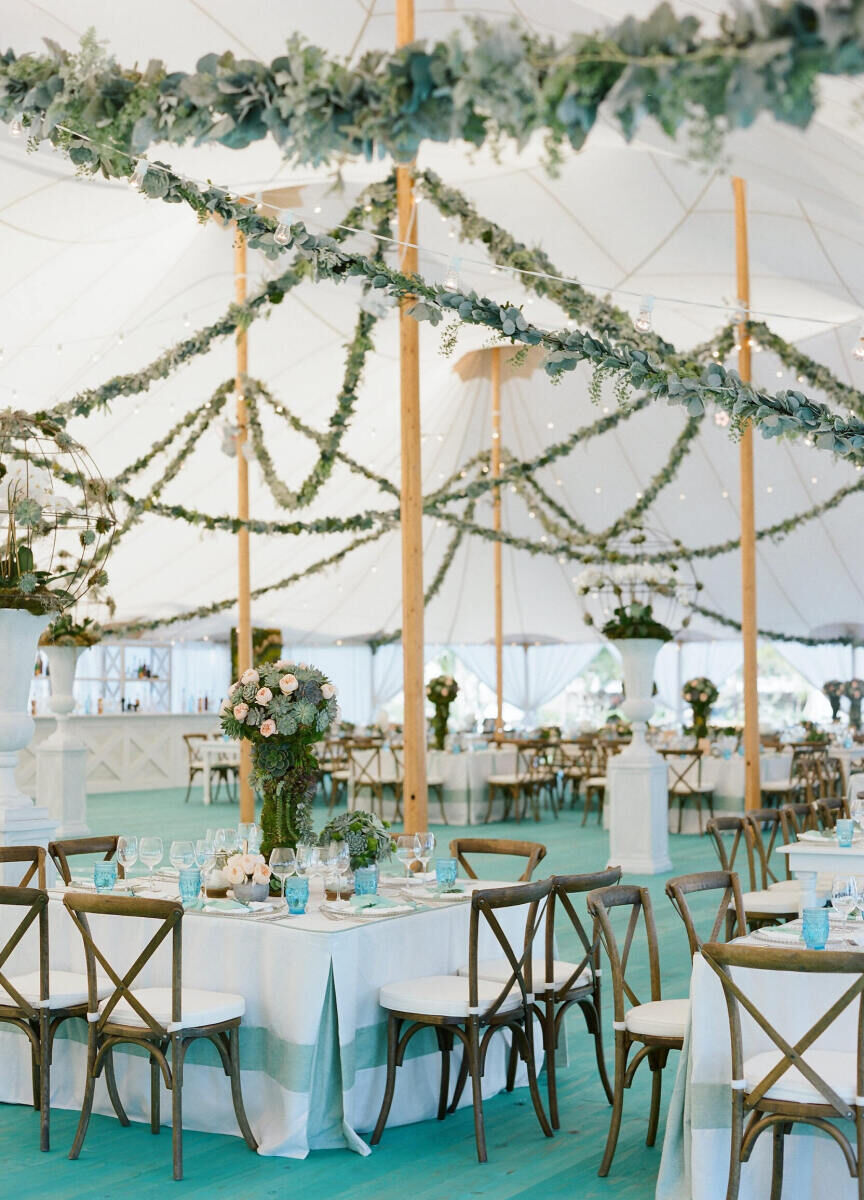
(226, 906)
(375, 902)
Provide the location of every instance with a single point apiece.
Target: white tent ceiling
(86, 262)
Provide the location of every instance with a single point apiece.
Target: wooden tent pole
(411, 503)
(752, 793)
(496, 546)
(244, 602)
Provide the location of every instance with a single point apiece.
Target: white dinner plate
(432, 897)
(397, 910)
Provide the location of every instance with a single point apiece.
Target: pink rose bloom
(248, 863)
(302, 666)
(268, 727)
(250, 676)
(263, 696)
(282, 665)
(226, 705)
(288, 684)
(234, 872)
(328, 691)
(262, 873)
(240, 711)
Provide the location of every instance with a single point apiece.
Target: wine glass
(844, 896)
(150, 852)
(408, 851)
(181, 854)
(340, 862)
(307, 858)
(255, 837)
(283, 864)
(127, 853)
(427, 849)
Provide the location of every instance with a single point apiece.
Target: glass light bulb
(282, 234)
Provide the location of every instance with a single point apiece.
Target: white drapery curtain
(817, 663)
(678, 663)
(350, 669)
(532, 674)
(199, 669)
(667, 676)
(386, 676)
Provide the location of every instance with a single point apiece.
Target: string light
(597, 490)
(814, 478)
(186, 322)
(725, 495)
(858, 352)
(769, 489)
(644, 317)
(16, 128)
(451, 279)
(282, 234)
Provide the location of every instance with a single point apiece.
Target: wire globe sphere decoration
(56, 517)
(626, 583)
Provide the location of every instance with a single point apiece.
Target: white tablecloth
(313, 1040)
(464, 776)
(695, 1161)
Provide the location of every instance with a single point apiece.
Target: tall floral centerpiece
(700, 693)
(853, 690)
(442, 691)
(834, 690)
(56, 525)
(282, 708)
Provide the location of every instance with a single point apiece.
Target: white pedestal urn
(636, 779)
(61, 760)
(21, 823)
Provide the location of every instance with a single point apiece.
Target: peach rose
(234, 872)
(263, 696)
(240, 711)
(328, 691)
(262, 873)
(248, 863)
(288, 684)
(268, 727)
(250, 676)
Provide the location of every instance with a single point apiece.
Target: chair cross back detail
(731, 904)
(36, 902)
(562, 889)
(680, 774)
(639, 902)
(483, 906)
(61, 852)
(534, 852)
(170, 915)
(722, 957)
(33, 855)
(742, 840)
(364, 766)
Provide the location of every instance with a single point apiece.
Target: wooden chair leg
(531, 1066)
(236, 1089)
(461, 1080)
(588, 795)
(617, 1104)
(474, 1068)
(550, 1045)
(512, 1064)
(113, 1094)
(89, 1088)
(593, 1019)
(394, 1024)
(44, 1080)
(155, 1118)
(657, 1061)
(777, 1162)
(440, 790)
(445, 1045)
(177, 1105)
(36, 1052)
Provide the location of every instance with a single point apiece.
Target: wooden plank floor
(430, 1161)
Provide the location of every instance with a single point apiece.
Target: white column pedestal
(61, 784)
(637, 798)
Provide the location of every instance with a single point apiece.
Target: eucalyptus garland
(772, 635)
(506, 83)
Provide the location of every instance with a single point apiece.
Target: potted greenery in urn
(282, 708)
(367, 837)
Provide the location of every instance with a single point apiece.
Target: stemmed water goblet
(127, 853)
(181, 855)
(844, 896)
(408, 850)
(150, 853)
(427, 849)
(283, 864)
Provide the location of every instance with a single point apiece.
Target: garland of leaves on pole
(613, 347)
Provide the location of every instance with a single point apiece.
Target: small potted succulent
(368, 839)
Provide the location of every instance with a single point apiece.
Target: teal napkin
(225, 906)
(375, 902)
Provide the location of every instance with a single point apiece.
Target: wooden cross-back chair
(595, 784)
(158, 1019)
(765, 902)
(781, 1087)
(33, 856)
(365, 774)
(730, 912)
(61, 852)
(656, 1026)
(685, 782)
(38, 1001)
(522, 787)
(574, 757)
(434, 784)
(828, 809)
(795, 819)
(533, 852)
(472, 1009)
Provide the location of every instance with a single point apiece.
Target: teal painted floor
(430, 1161)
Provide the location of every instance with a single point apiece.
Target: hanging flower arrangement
(834, 689)
(853, 689)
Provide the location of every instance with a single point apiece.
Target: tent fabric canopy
(88, 262)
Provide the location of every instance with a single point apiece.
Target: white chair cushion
(65, 989)
(659, 1018)
(781, 900)
(434, 781)
(596, 781)
(342, 775)
(683, 789)
(442, 996)
(781, 785)
(198, 1007)
(504, 780)
(785, 885)
(499, 971)
(836, 1067)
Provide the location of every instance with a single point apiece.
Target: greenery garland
(507, 83)
(772, 635)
